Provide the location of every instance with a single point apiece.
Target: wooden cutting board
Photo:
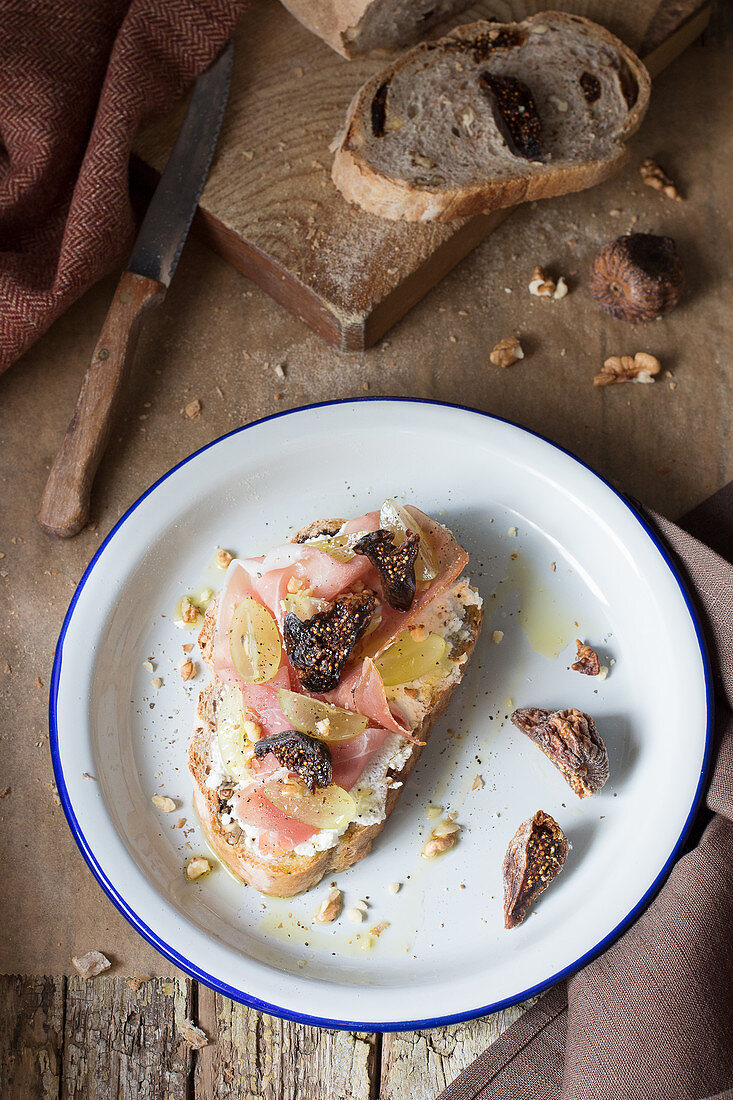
(269, 206)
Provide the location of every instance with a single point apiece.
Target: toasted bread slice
(491, 115)
(288, 873)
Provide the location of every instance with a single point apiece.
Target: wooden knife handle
(65, 505)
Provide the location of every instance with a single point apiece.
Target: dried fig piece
(379, 109)
(535, 856)
(571, 741)
(590, 86)
(586, 660)
(637, 277)
(395, 564)
(319, 648)
(515, 114)
(300, 753)
(483, 45)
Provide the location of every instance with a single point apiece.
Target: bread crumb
(193, 409)
(193, 1036)
(137, 981)
(512, 532)
(330, 907)
(354, 915)
(157, 683)
(91, 964)
(187, 670)
(477, 784)
(433, 811)
(223, 558)
(148, 666)
(497, 636)
(394, 887)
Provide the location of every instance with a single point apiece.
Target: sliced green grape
(397, 519)
(254, 642)
(321, 720)
(327, 808)
(234, 745)
(304, 606)
(407, 659)
(339, 547)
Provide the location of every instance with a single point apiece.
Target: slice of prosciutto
(350, 758)
(252, 807)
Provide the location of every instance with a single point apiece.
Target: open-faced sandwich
(330, 657)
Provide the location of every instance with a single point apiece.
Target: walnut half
(535, 856)
(571, 741)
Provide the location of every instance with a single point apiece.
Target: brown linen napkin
(652, 1018)
(76, 80)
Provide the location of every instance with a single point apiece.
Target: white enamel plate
(557, 555)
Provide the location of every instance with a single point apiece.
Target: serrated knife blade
(170, 212)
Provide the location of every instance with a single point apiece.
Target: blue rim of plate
(360, 1025)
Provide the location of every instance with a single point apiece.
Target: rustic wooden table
(219, 339)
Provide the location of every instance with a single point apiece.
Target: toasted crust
(318, 527)
(289, 873)
(399, 199)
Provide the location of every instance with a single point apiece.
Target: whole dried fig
(637, 278)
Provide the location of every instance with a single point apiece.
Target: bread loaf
(491, 115)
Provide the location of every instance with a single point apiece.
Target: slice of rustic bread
(491, 115)
(358, 27)
(284, 874)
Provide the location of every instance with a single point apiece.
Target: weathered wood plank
(31, 1037)
(258, 1057)
(417, 1065)
(123, 1044)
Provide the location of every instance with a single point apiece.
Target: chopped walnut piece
(569, 738)
(223, 558)
(330, 907)
(437, 845)
(506, 352)
(535, 856)
(586, 661)
(622, 368)
(193, 1036)
(91, 964)
(197, 867)
(541, 285)
(189, 611)
(443, 837)
(193, 409)
(188, 670)
(656, 178)
(163, 803)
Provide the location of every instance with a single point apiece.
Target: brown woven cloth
(77, 78)
(652, 1018)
